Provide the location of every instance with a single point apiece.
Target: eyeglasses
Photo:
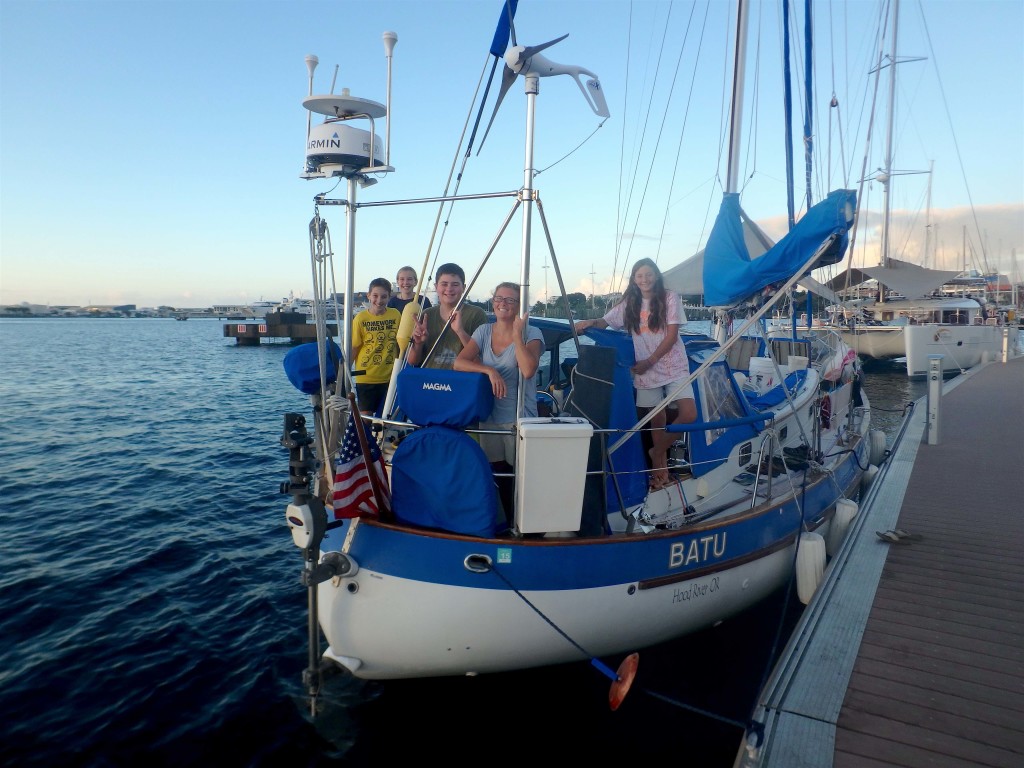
(506, 300)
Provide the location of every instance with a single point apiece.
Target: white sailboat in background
(922, 320)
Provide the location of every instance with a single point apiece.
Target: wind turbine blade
(532, 50)
(507, 78)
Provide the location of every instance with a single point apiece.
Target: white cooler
(551, 466)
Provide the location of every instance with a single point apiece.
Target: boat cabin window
(719, 399)
(746, 453)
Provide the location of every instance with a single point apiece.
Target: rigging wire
(956, 144)
(639, 152)
(682, 132)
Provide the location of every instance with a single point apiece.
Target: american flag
(353, 493)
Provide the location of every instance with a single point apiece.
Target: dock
(911, 652)
(276, 325)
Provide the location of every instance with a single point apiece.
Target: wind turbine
(527, 59)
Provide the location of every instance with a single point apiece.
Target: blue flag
(501, 32)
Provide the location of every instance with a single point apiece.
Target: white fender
(810, 565)
(846, 510)
(868, 478)
(876, 446)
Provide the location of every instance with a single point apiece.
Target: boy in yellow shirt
(374, 346)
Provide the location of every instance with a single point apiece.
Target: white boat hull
(426, 629)
(961, 346)
(885, 342)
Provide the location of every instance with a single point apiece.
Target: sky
(151, 150)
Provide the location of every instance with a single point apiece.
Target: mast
(736, 116)
(887, 202)
(720, 329)
(928, 219)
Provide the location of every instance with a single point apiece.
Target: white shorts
(648, 398)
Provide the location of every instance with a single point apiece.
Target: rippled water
(150, 605)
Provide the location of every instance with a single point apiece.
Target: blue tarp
(730, 275)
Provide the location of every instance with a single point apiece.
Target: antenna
(311, 62)
(390, 38)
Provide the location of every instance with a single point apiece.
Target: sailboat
(921, 321)
(409, 569)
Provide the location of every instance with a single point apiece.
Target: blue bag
(302, 366)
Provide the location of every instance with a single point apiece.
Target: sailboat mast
(928, 220)
(736, 116)
(887, 202)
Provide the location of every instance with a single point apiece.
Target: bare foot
(659, 476)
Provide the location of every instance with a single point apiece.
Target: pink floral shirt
(673, 366)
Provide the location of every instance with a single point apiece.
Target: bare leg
(659, 451)
(687, 413)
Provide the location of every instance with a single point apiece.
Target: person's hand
(642, 366)
(457, 321)
(581, 325)
(419, 332)
(517, 326)
(497, 383)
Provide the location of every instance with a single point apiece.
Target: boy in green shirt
(450, 284)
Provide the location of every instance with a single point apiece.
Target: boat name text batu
(697, 550)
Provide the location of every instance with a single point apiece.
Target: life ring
(826, 412)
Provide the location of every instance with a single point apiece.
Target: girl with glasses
(502, 350)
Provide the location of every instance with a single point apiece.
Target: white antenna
(311, 62)
(390, 38)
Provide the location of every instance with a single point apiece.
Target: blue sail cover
(730, 275)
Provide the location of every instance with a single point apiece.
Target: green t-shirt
(374, 346)
(450, 345)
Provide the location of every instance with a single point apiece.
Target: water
(150, 605)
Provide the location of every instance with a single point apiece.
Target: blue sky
(150, 151)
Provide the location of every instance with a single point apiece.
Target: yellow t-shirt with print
(374, 345)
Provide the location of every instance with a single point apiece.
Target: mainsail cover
(731, 275)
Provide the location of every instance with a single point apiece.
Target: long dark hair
(633, 299)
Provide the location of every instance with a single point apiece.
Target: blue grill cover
(437, 397)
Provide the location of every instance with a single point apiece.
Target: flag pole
(383, 509)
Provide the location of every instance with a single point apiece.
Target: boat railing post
(1006, 344)
(934, 409)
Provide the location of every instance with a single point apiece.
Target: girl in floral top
(652, 315)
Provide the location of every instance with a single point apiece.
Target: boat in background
(416, 567)
(924, 321)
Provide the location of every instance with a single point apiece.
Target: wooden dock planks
(914, 657)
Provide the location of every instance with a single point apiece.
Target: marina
(157, 661)
(643, 518)
(910, 654)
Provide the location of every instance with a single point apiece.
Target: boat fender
(846, 510)
(810, 565)
(876, 447)
(868, 477)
